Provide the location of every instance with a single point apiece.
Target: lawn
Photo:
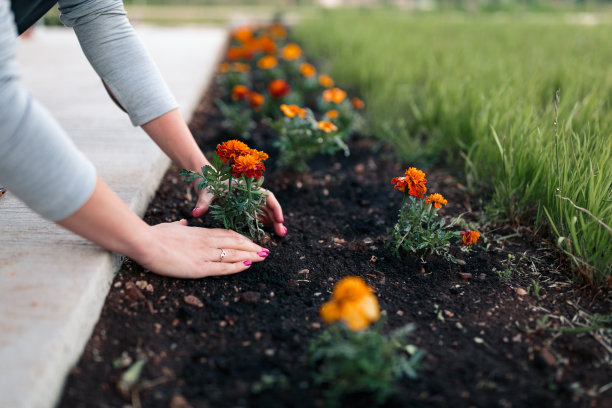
(478, 93)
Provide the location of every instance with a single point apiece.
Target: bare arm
(170, 249)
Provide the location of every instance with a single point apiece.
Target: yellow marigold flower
(277, 30)
(326, 126)
(414, 180)
(239, 92)
(228, 151)
(241, 67)
(357, 103)
(291, 111)
(242, 34)
(291, 52)
(224, 67)
(469, 237)
(308, 70)
(332, 114)
(326, 81)
(255, 100)
(436, 199)
(352, 302)
(267, 62)
(335, 95)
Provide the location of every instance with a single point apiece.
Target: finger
(273, 204)
(222, 268)
(236, 255)
(222, 238)
(204, 201)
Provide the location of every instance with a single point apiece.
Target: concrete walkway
(53, 284)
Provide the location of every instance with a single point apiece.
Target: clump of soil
(235, 341)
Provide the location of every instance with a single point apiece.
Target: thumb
(204, 200)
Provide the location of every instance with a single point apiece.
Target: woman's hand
(272, 211)
(176, 250)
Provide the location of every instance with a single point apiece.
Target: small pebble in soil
(465, 275)
(193, 301)
(520, 291)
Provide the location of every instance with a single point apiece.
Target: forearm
(172, 135)
(105, 220)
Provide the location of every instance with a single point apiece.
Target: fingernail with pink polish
(262, 254)
(284, 230)
(193, 212)
(247, 262)
(266, 250)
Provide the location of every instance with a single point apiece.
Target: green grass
(476, 91)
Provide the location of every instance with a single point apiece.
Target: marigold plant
(420, 229)
(234, 178)
(351, 355)
(336, 99)
(301, 136)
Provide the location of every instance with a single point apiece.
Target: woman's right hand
(180, 251)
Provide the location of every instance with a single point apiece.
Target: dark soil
(487, 342)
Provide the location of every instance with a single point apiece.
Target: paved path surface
(52, 283)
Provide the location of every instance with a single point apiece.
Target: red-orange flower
(291, 52)
(335, 95)
(326, 81)
(277, 30)
(326, 126)
(255, 100)
(242, 34)
(278, 88)
(240, 67)
(357, 103)
(414, 180)
(436, 199)
(332, 114)
(228, 151)
(239, 92)
(249, 165)
(234, 53)
(267, 45)
(224, 67)
(352, 302)
(308, 70)
(291, 111)
(469, 237)
(267, 62)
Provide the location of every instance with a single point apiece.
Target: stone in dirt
(465, 275)
(193, 301)
(521, 291)
(250, 297)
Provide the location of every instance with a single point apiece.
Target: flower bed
(490, 327)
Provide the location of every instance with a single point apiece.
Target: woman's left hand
(272, 211)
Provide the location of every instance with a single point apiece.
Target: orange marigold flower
(239, 92)
(291, 52)
(262, 155)
(228, 151)
(267, 45)
(234, 53)
(436, 199)
(291, 111)
(242, 34)
(267, 62)
(335, 95)
(352, 302)
(308, 70)
(277, 30)
(249, 165)
(326, 81)
(469, 237)
(279, 88)
(326, 126)
(357, 103)
(332, 114)
(241, 67)
(224, 67)
(255, 100)
(414, 180)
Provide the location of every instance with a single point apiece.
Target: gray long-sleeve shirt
(38, 162)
